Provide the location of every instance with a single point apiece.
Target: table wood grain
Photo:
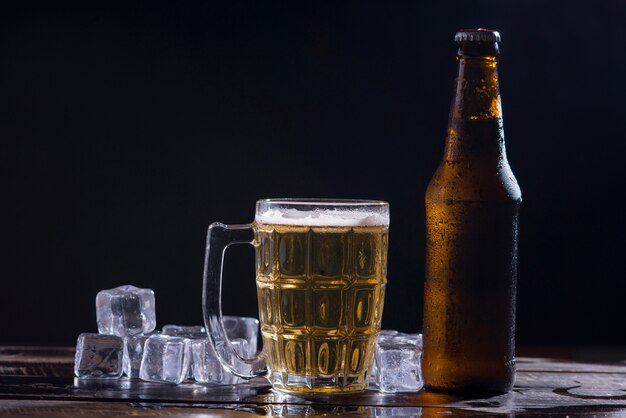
(38, 381)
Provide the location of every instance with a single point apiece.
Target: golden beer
(320, 293)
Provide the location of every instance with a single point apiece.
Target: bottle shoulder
(474, 180)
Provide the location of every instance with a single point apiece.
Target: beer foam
(322, 217)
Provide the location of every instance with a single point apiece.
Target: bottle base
(478, 389)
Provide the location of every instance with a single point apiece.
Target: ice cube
(243, 327)
(206, 365)
(416, 339)
(171, 329)
(186, 331)
(165, 359)
(125, 310)
(399, 363)
(98, 356)
(382, 334)
(133, 353)
(387, 333)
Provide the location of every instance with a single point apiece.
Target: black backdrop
(128, 127)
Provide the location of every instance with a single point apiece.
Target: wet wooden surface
(39, 382)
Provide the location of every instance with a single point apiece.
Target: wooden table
(36, 381)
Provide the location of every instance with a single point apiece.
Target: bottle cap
(477, 35)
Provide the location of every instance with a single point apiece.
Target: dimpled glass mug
(321, 269)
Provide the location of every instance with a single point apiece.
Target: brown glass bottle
(472, 205)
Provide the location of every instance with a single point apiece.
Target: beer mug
(321, 270)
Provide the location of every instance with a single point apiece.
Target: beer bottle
(472, 205)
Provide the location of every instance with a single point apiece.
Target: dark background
(128, 127)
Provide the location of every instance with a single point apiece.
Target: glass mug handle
(219, 237)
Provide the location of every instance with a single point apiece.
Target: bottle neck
(475, 125)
